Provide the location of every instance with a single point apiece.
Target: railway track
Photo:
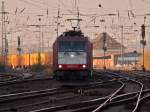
(88, 106)
(92, 98)
(99, 108)
(139, 96)
(9, 78)
(111, 100)
(51, 99)
(5, 77)
(144, 103)
(27, 84)
(97, 86)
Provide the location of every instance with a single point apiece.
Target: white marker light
(60, 66)
(83, 66)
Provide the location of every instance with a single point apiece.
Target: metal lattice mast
(3, 53)
(143, 42)
(122, 49)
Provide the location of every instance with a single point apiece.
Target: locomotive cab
(72, 56)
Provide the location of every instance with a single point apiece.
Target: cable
(131, 5)
(30, 3)
(146, 1)
(66, 7)
(22, 10)
(42, 3)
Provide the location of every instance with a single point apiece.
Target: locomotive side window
(71, 46)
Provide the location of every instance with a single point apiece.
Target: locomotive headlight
(72, 55)
(84, 66)
(60, 66)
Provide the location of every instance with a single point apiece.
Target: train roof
(72, 35)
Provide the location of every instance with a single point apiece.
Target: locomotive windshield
(71, 46)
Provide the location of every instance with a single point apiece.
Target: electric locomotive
(72, 56)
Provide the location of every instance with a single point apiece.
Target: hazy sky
(23, 13)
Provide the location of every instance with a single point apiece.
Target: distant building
(116, 61)
(113, 57)
(113, 47)
(127, 59)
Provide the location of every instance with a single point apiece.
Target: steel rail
(8, 97)
(22, 81)
(140, 92)
(20, 96)
(139, 96)
(5, 77)
(40, 103)
(143, 74)
(87, 103)
(26, 93)
(117, 91)
(147, 97)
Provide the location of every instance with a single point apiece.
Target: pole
(104, 61)
(19, 51)
(143, 66)
(104, 48)
(143, 42)
(6, 50)
(29, 60)
(42, 42)
(19, 58)
(135, 63)
(136, 54)
(122, 49)
(58, 16)
(39, 51)
(4, 40)
(2, 52)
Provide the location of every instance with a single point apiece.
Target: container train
(72, 56)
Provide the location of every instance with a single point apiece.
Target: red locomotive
(72, 56)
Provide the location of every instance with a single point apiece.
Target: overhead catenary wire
(130, 4)
(148, 2)
(84, 12)
(32, 4)
(39, 2)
